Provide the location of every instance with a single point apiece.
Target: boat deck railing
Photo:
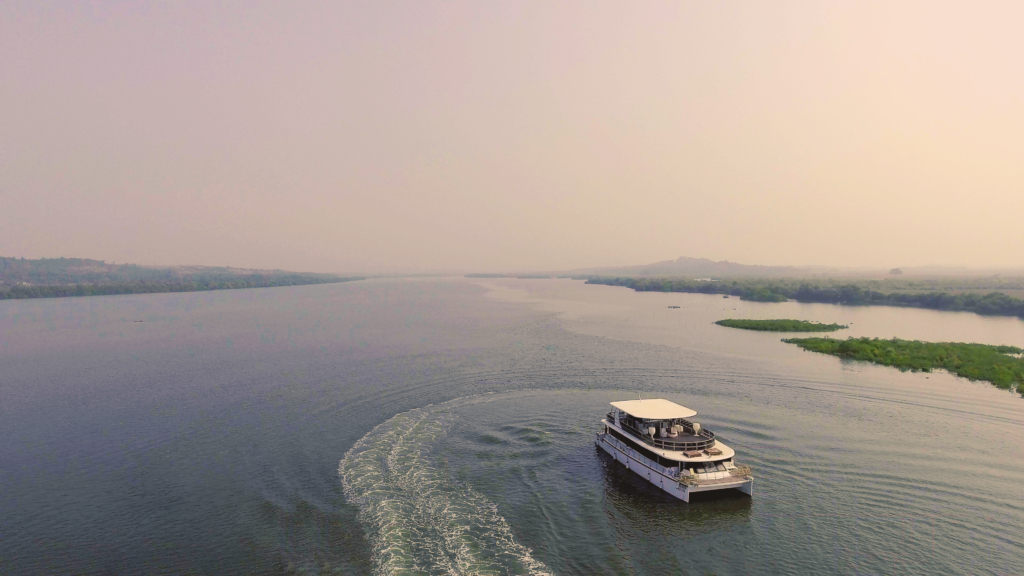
(705, 442)
(741, 471)
(738, 473)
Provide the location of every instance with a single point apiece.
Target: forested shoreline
(70, 290)
(847, 293)
(70, 277)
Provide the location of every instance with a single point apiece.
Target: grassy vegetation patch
(781, 325)
(1000, 365)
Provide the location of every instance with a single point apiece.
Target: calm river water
(446, 427)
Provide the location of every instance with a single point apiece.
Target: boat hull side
(667, 483)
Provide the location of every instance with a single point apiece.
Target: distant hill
(686, 267)
(56, 277)
(701, 267)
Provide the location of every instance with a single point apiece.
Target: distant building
(896, 272)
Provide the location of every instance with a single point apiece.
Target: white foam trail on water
(417, 519)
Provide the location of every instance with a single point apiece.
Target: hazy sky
(483, 136)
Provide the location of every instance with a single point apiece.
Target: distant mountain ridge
(686, 267)
(700, 267)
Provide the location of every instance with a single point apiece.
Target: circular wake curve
(416, 517)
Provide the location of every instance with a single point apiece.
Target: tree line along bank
(848, 293)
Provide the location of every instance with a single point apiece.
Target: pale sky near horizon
(492, 136)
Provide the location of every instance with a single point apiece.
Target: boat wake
(418, 519)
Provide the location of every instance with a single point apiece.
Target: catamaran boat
(655, 438)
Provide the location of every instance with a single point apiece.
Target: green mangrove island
(1003, 366)
(780, 325)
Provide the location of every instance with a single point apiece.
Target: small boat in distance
(654, 438)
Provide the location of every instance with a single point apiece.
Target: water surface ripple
(446, 426)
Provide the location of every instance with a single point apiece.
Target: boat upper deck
(685, 438)
(685, 448)
(663, 425)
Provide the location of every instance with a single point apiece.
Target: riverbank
(64, 291)
(942, 294)
(22, 278)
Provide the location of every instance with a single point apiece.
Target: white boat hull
(666, 482)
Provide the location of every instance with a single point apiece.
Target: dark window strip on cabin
(644, 451)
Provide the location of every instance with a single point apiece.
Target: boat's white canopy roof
(654, 409)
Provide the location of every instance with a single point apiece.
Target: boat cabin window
(702, 467)
(643, 451)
